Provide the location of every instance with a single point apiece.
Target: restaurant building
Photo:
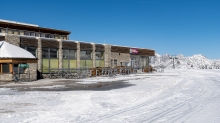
(54, 49)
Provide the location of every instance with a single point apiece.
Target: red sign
(134, 51)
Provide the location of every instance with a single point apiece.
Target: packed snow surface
(175, 96)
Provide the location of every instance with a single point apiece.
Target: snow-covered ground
(190, 96)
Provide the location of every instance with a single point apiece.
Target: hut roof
(11, 51)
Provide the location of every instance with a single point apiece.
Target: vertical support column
(93, 55)
(60, 54)
(107, 55)
(148, 63)
(39, 55)
(78, 55)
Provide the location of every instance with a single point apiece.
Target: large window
(32, 33)
(5, 68)
(47, 35)
(99, 56)
(27, 33)
(49, 59)
(37, 34)
(32, 50)
(69, 58)
(144, 61)
(42, 35)
(86, 59)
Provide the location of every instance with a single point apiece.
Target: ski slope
(197, 61)
(175, 96)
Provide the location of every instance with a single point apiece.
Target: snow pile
(197, 61)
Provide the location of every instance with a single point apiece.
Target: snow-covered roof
(11, 51)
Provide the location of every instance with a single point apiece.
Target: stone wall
(13, 39)
(107, 56)
(120, 57)
(39, 55)
(60, 54)
(78, 55)
(29, 72)
(33, 70)
(6, 77)
(93, 56)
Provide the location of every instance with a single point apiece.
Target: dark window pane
(15, 68)
(42, 35)
(24, 48)
(37, 34)
(5, 68)
(45, 53)
(53, 53)
(0, 30)
(99, 55)
(32, 33)
(47, 35)
(85, 55)
(82, 55)
(51, 36)
(72, 54)
(32, 50)
(88, 54)
(65, 53)
(26, 33)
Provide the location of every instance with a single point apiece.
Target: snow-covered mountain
(180, 62)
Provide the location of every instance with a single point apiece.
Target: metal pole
(28, 73)
(148, 64)
(18, 72)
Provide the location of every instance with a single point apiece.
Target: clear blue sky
(169, 26)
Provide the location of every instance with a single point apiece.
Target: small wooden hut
(18, 61)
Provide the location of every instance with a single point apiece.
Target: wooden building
(15, 60)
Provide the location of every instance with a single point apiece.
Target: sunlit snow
(175, 96)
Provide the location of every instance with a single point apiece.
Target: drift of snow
(189, 96)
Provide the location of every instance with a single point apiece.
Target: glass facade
(139, 61)
(144, 61)
(99, 56)
(86, 59)
(50, 59)
(69, 58)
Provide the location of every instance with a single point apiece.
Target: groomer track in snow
(190, 96)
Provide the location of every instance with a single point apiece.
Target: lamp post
(173, 57)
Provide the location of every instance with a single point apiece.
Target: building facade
(54, 50)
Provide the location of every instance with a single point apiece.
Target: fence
(89, 72)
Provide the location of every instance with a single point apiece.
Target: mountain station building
(53, 49)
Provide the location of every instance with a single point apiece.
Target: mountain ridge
(197, 61)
